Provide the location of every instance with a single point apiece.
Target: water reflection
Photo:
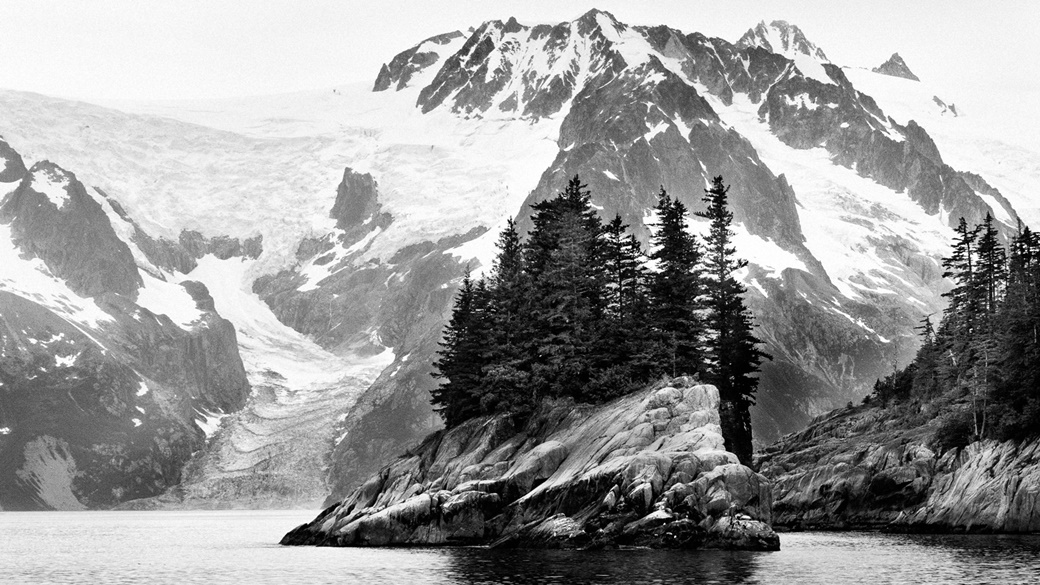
(212, 548)
(634, 566)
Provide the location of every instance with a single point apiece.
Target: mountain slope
(107, 368)
(370, 202)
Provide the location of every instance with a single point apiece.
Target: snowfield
(845, 217)
(32, 280)
(262, 171)
(996, 143)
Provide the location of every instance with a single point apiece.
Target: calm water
(240, 547)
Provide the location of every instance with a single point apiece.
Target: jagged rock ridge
(782, 38)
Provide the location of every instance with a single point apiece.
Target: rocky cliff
(103, 395)
(902, 468)
(648, 469)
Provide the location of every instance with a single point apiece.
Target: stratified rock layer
(648, 469)
(863, 467)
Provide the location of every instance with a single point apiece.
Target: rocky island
(648, 469)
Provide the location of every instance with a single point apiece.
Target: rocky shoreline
(869, 468)
(649, 469)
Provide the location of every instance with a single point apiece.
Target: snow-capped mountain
(332, 228)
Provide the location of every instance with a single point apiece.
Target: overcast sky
(119, 49)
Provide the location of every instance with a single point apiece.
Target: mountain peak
(594, 14)
(783, 38)
(896, 67)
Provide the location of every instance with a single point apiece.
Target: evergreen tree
(564, 258)
(990, 277)
(620, 361)
(1016, 392)
(674, 291)
(957, 329)
(460, 362)
(506, 369)
(926, 374)
(987, 346)
(991, 270)
(733, 352)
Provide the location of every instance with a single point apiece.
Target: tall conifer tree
(675, 289)
(733, 352)
(564, 258)
(621, 360)
(506, 369)
(460, 360)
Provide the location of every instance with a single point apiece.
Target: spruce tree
(732, 348)
(1016, 392)
(929, 356)
(506, 378)
(958, 327)
(620, 362)
(564, 259)
(674, 290)
(991, 270)
(460, 363)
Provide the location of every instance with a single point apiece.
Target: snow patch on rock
(844, 216)
(50, 468)
(31, 279)
(53, 183)
(167, 298)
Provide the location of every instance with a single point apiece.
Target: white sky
(148, 49)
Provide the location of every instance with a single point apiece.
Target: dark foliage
(574, 311)
(732, 348)
(986, 348)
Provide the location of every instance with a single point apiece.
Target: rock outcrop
(869, 467)
(648, 469)
(52, 217)
(896, 67)
(408, 63)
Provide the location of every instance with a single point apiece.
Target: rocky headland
(902, 468)
(649, 469)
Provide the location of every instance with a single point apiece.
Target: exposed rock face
(944, 107)
(407, 63)
(648, 469)
(99, 397)
(12, 168)
(400, 302)
(357, 203)
(990, 486)
(868, 467)
(52, 217)
(896, 67)
(781, 37)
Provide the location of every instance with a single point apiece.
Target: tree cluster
(986, 345)
(579, 310)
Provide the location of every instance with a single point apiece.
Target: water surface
(241, 547)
